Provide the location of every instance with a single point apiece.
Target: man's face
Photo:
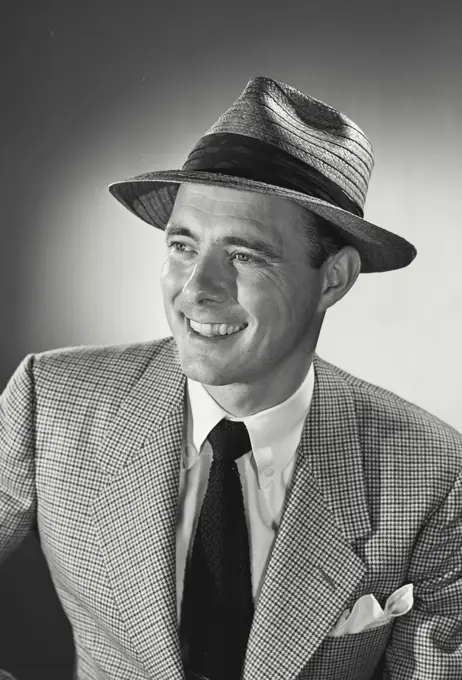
(216, 273)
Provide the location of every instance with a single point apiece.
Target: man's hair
(320, 237)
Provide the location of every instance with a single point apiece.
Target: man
(223, 503)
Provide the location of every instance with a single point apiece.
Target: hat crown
(306, 128)
(277, 141)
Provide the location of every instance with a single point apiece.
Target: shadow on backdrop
(36, 638)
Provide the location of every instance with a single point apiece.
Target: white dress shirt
(265, 471)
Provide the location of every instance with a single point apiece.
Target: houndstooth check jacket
(90, 442)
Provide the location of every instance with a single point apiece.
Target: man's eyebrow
(250, 242)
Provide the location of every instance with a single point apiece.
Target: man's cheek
(169, 282)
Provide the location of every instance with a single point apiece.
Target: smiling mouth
(212, 331)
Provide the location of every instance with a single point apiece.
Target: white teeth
(211, 330)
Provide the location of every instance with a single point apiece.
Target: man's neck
(243, 399)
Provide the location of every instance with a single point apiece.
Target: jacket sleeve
(427, 642)
(17, 464)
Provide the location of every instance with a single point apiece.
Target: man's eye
(172, 246)
(181, 248)
(250, 258)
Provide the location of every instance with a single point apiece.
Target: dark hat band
(250, 158)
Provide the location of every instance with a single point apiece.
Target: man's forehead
(222, 201)
(225, 202)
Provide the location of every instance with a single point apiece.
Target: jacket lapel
(313, 568)
(135, 515)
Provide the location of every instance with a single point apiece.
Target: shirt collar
(268, 430)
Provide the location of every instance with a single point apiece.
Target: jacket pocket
(350, 657)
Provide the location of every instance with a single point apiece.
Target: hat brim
(151, 196)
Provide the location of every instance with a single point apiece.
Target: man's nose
(207, 280)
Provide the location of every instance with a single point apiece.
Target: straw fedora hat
(279, 141)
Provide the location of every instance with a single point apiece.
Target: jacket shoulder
(385, 415)
(100, 368)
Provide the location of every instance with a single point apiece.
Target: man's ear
(340, 273)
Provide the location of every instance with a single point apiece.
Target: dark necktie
(217, 606)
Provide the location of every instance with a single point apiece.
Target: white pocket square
(367, 613)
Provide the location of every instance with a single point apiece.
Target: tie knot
(229, 440)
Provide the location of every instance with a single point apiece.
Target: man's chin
(206, 371)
